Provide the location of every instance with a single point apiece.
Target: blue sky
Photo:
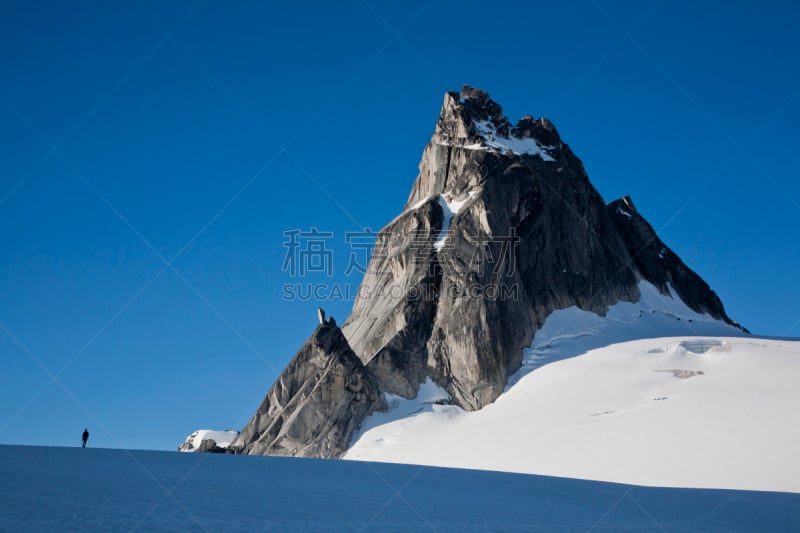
(132, 134)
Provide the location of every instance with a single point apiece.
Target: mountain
(502, 229)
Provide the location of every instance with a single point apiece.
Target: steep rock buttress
(316, 404)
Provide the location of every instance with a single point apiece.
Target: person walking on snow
(85, 436)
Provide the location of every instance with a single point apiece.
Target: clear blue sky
(252, 119)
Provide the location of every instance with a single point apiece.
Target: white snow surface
(692, 403)
(76, 489)
(518, 146)
(222, 438)
(430, 402)
(450, 207)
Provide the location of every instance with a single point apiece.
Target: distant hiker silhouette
(85, 436)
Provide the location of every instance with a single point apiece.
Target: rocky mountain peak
(501, 229)
(472, 119)
(540, 129)
(472, 137)
(477, 106)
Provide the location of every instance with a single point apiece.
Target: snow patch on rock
(222, 439)
(625, 214)
(451, 207)
(527, 146)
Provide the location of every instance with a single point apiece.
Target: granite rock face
(392, 319)
(316, 404)
(502, 227)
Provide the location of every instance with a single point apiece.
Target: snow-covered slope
(75, 489)
(695, 406)
(570, 332)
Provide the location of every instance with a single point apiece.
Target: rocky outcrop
(502, 227)
(317, 402)
(208, 440)
(210, 446)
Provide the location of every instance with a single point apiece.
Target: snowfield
(703, 409)
(75, 489)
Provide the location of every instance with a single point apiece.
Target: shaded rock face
(502, 227)
(210, 446)
(392, 321)
(659, 265)
(316, 404)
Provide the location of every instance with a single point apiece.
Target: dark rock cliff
(659, 265)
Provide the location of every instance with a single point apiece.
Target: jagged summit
(472, 137)
(472, 120)
(501, 229)
(475, 105)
